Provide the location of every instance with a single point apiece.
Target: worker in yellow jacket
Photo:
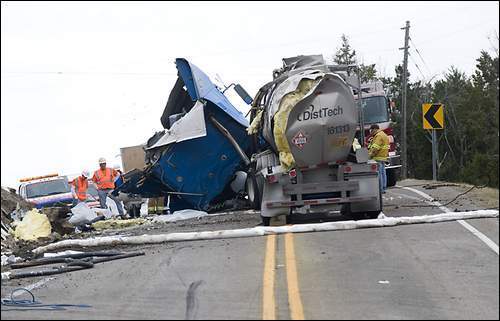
(378, 149)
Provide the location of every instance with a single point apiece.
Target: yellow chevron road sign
(433, 116)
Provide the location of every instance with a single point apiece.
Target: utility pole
(404, 162)
(360, 109)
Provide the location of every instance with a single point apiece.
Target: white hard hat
(85, 173)
(102, 160)
(116, 166)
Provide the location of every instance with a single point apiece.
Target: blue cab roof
(200, 86)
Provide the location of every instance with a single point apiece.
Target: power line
(421, 58)
(358, 35)
(86, 73)
(425, 64)
(423, 76)
(455, 32)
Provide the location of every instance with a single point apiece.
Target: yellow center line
(268, 302)
(294, 301)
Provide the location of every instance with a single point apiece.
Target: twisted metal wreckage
(199, 160)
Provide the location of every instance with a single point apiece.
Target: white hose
(264, 230)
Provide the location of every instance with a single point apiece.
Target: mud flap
(368, 186)
(274, 192)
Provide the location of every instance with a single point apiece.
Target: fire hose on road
(71, 262)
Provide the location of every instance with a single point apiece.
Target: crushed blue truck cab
(204, 144)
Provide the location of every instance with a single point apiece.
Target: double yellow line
(268, 302)
(268, 297)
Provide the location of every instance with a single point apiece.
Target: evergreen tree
(367, 72)
(346, 55)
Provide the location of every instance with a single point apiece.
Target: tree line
(469, 142)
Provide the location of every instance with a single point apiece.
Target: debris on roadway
(118, 224)
(13, 207)
(179, 216)
(10, 259)
(34, 225)
(11, 201)
(72, 262)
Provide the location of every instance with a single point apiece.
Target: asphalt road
(425, 271)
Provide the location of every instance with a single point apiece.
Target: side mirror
(243, 94)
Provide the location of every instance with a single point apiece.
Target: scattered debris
(73, 262)
(6, 231)
(33, 226)
(18, 214)
(10, 259)
(33, 304)
(58, 218)
(434, 186)
(83, 214)
(25, 228)
(179, 216)
(383, 282)
(114, 223)
(11, 201)
(13, 208)
(61, 253)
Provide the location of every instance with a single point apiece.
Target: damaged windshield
(59, 186)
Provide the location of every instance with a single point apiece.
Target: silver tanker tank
(308, 117)
(311, 115)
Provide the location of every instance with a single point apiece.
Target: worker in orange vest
(104, 178)
(79, 188)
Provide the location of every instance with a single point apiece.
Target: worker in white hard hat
(104, 178)
(79, 187)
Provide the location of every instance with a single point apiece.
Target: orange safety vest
(104, 180)
(81, 186)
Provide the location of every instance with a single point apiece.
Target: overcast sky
(81, 80)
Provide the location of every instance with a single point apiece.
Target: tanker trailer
(310, 161)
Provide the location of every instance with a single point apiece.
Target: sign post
(434, 155)
(433, 118)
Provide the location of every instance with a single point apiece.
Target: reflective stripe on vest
(382, 151)
(106, 181)
(377, 146)
(81, 186)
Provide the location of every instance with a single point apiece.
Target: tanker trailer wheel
(345, 210)
(288, 218)
(391, 177)
(253, 191)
